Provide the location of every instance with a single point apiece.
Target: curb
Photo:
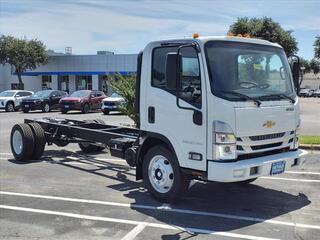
(310, 146)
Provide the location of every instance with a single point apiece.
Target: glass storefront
(63, 83)
(83, 82)
(104, 84)
(46, 82)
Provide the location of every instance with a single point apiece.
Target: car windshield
(115, 95)
(82, 93)
(7, 94)
(42, 94)
(258, 71)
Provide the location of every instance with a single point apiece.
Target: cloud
(127, 26)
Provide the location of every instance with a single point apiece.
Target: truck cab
(219, 108)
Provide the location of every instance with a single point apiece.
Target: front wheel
(10, 107)
(162, 175)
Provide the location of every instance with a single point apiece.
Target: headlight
(224, 147)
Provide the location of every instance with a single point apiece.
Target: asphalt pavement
(71, 195)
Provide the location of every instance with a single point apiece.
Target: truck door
(178, 120)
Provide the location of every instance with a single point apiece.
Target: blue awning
(124, 73)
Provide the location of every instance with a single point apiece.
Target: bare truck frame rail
(91, 135)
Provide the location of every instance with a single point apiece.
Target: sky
(126, 26)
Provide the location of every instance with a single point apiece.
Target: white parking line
(135, 231)
(124, 221)
(292, 179)
(301, 172)
(165, 207)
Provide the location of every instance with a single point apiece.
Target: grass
(304, 139)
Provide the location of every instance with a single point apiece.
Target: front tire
(10, 107)
(106, 112)
(162, 175)
(25, 110)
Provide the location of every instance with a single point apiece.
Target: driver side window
(190, 77)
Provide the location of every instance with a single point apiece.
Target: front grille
(266, 137)
(263, 154)
(109, 103)
(271, 145)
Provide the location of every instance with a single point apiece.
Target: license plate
(26, 106)
(66, 106)
(277, 167)
(111, 107)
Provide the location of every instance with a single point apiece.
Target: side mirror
(172, 71)
(296, 74)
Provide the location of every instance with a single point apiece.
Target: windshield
(115, 95)
(257, 71)
(42, 94)
(82, 93)
(7, 94)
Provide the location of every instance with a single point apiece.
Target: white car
(316, 93)
(10, 100)
(112, 103)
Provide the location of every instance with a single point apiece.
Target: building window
(84, 82)
(63, 82)
(46, 82)
(104, 84)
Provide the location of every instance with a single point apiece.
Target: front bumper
(242, 169)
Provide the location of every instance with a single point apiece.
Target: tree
(317, 47)
(315, 66)
(265, 28)
(306, 64)
(125, 86)
(22, 54)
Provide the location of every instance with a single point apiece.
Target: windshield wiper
(243, 96)
(280, 95)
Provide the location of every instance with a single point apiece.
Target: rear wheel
(106, 112)
(162, 175)
(25, 110)
(39, 140)
(22, 142)
(63, 111)
(10, 107)
(86, 108)
(46, 108)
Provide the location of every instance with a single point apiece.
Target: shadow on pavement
(217, 205)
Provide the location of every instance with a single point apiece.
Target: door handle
(151, 114)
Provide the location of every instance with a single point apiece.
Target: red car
(83, 100)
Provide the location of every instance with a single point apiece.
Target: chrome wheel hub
(160, 174)
(17, 142)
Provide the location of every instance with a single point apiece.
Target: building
(72, 72)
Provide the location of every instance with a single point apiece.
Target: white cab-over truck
(219, 109)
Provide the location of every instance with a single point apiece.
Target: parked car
(45, 100)
(112, 103)
(316, 93)
(11, 100)
(305, 92)
(83, 100)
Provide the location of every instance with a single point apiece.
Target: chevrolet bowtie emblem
(268, 124)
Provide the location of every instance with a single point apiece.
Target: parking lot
(71, 195)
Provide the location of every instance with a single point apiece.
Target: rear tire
(22, 142)
(10, 107)
(106, 112)
(39, 140)
(162, 175)
(64, 111)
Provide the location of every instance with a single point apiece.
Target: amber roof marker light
(195, 35)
